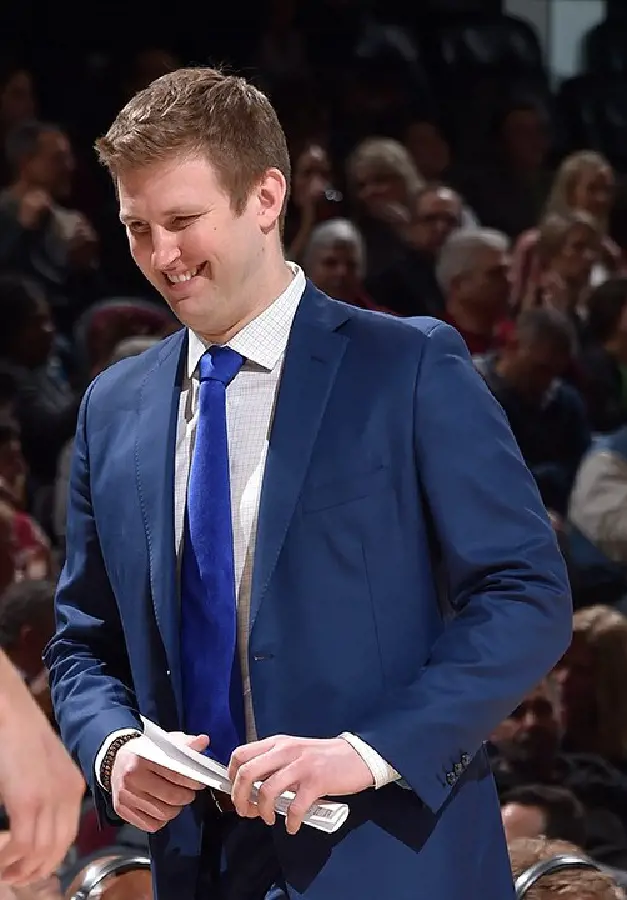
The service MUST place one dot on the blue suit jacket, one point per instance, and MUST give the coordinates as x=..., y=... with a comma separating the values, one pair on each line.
x=374, y=414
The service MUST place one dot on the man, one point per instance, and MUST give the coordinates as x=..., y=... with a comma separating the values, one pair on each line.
x=337, y=420
x=40, y=787
x=527, y=752
x=39, y=236
x=473, y=273
x=335, y=261
x=546, y=415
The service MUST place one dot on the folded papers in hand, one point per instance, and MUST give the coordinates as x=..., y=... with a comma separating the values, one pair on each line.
x=165, y=749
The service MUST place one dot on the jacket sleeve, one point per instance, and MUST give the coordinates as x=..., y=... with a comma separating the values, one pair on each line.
x=89, y=668
x=505, y=577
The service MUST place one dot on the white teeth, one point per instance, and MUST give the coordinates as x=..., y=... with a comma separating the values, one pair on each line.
x=184, y=276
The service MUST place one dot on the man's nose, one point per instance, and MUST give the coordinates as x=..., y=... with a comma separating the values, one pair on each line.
x=165, y=249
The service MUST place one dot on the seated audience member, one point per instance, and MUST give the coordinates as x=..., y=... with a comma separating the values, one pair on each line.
x=335, y=261
x=313, y=199
x=538, y=810
x=18, y=104
x=604, y=358
x=508, y=187
x=570, y=882
x=32, y=547
x=39, y=237
x=568, y=246
x=597, y=519
x=410, y=280
x=527, y=751
x=584, y=183
x=45, y=408
x=473, y=274
x=382, y=181
x=591, y=676
x=26, y=626
x=547, y=416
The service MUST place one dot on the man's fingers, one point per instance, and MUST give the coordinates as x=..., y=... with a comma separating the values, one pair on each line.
x=146, y=804
x=43, y=854
x=305, y=798
x=166, y=791
x=246, y=752
x=257, y=769
x=140, y=820
x=272, y=788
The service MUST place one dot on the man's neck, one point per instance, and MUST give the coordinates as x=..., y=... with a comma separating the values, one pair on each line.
x=265, y=289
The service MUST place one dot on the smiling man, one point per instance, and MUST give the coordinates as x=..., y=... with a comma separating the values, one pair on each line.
x=257, y=510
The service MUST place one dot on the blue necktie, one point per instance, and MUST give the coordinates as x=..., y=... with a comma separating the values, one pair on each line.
x=212, y=689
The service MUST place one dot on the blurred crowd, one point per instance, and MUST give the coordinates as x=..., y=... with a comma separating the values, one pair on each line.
x=484, y=214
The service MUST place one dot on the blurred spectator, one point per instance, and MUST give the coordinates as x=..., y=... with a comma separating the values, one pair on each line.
x=17, y=105
x=546, y=415
x=314, y=198
x=473, y=274
x=33, y=556
x=570, y=883
x=543, y=810
x=38, y=236
x=45, y=407
x=508, y=189
x=597, y=524
x=335, y=261
x=281, y=54
x=591, y=677
x=409, y=285
x=26, y=626
x=604, y=360
x=567, y=249
x=584, y=183
x=383, y=182
x=428, y=147
x=528, y=752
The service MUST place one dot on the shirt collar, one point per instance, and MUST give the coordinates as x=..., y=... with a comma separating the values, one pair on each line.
x=262, y=341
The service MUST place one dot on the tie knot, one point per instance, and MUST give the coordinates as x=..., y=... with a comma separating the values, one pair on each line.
x=220, y=363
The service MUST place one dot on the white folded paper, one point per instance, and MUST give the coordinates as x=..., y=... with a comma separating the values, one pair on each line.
x=160, y=747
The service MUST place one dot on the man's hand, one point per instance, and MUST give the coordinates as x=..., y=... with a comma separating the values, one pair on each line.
x=33, y=206
x=148, y=795
x=40, y=787
x=312, y=768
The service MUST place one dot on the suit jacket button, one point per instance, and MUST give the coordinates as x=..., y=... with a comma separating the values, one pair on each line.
x=458, y=768
x=465, y=759
x=450, y=778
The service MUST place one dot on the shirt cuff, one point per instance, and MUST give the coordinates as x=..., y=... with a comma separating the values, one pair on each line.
x=382, y=771
x=122, y=732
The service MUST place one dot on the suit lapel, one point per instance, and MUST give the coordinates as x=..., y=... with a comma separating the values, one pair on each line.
x=154, y=459
x=312, y=358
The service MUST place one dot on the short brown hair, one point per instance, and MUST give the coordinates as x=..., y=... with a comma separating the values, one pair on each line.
x=575, y=884
x=206, y=112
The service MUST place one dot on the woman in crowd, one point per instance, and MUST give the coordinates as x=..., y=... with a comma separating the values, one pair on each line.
x=584, y=183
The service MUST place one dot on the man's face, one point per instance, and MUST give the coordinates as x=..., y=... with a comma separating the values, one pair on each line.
x=52, y=165
x=335, y=270
x=438, y=213
x=535, y=366
x=202, y=257
x=486, y=287
x=534, y=730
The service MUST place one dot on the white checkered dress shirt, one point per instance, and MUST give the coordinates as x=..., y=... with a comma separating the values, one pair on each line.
x=250, y=400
